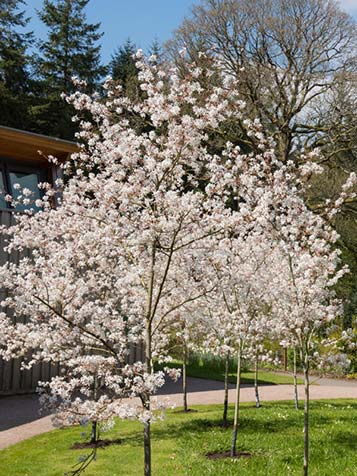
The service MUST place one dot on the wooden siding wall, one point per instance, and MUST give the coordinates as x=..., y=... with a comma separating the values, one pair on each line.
x=12, y=378
x=136, y=353
x=18, y=146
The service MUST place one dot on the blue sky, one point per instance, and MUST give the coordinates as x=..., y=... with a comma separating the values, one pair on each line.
x=141, y=20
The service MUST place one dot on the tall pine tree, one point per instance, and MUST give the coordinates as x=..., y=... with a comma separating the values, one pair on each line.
x=155, y=49
x=122, y=68
x=14, y=71
x=71, y=49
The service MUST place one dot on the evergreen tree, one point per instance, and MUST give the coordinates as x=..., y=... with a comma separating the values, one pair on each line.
x=122, y=68
x=71, y=49
x=14, y=72
x=155, y=49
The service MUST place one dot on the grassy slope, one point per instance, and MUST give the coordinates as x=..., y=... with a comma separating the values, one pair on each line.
x=273, y=434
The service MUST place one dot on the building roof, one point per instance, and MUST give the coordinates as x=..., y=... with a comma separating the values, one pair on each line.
x=25, y=146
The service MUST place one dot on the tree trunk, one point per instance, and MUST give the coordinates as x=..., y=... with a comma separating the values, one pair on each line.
x=147, y=445
x=284, y=143
x=256, y=386
x=184, y=378
x=285, y=358
x=149, y=366
x=146, y=404
x=305, y=361
x=225, y=403
x=296, y=395
x=94, y=432
x=236, y=408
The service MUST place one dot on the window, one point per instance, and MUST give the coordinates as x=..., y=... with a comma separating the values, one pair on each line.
x=26, y=177
x=25, y=180
x=3, y=203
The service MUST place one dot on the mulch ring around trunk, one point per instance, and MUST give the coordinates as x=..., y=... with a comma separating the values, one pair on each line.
x=227, y=454
x=97, y=444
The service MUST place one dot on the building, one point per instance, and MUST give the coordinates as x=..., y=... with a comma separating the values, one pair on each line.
x=21, y=162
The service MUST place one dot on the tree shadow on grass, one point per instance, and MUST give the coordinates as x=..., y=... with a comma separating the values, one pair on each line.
x=345, y=439
x=198, y=425
x=266, y=421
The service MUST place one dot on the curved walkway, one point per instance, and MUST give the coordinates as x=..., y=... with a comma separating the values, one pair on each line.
x=19, y=415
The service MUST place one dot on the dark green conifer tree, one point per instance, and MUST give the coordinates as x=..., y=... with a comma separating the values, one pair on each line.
x=155, y=49
x=14, y=71
x=122, y=68
x=70, y=49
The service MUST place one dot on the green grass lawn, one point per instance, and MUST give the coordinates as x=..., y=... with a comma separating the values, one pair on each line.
x=273, y=434
x=215, y=370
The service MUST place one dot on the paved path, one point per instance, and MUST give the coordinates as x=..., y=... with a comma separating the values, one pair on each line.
x=19, y=417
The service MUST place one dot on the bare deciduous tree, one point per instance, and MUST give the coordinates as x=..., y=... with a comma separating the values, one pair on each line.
x=285, y=54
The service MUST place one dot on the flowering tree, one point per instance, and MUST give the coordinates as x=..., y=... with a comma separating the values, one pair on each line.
x=238, y=319
x=301, y=256
x=217, y=339
x=258, y=351
x=113, y=265
x=302, y=292
x=189, y=331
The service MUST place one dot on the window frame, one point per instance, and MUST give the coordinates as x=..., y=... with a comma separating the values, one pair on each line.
x=21, y=166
